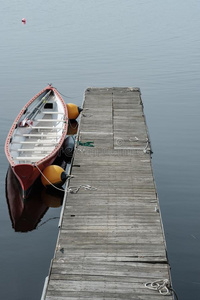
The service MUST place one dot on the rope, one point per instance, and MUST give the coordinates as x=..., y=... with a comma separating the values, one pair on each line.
x=66, y=96
x=88, y=144
x=50, y=181
x=47, y=221
x=75, y=190
x=87, y=115
x=162, y=286
x=71, y=189
x=147, y=148
x=175, y=294
x=70, y=123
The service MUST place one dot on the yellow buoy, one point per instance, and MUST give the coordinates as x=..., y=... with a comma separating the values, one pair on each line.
x=53, y=175
x=73, y=111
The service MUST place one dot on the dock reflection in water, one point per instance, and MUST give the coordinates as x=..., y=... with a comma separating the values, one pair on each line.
x=26, y=214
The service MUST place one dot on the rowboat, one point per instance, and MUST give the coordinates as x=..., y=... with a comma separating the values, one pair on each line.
x=36, y=136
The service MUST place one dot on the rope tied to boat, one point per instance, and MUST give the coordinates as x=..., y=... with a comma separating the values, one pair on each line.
x=53, y=185
x=71, y=189
x=70, y=123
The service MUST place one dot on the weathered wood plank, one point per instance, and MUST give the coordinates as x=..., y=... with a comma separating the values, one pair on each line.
x=101, y=296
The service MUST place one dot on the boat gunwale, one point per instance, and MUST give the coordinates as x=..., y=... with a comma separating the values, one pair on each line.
x=13, y=127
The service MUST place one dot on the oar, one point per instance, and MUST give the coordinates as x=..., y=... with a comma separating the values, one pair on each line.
x=31, y=115
x=39, y=106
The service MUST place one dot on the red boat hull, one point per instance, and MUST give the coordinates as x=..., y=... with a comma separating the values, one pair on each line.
x=28, y=173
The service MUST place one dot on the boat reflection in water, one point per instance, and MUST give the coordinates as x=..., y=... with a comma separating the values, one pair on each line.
x=26, y=214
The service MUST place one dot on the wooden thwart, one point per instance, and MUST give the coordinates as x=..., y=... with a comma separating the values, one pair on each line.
x=111, y=241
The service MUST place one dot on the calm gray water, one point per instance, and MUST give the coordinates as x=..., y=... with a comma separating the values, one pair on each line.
x=75, y=44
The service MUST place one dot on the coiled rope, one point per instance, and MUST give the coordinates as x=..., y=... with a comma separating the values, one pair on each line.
x=162, y=286
x=75, y=190
x=147, y=148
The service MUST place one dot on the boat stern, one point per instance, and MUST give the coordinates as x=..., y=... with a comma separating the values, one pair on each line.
x=26, y=174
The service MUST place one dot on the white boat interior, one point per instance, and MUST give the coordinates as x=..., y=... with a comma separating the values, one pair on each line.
x=39, y=130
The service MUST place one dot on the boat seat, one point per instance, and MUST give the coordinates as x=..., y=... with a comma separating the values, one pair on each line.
x=48, y=127
x=38, y=142
x=42, y=135
x=52, y=113
x=36, y=149
x=44, y=142
x=27, y=158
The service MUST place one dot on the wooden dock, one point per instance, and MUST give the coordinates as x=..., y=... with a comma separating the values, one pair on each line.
x=111, y=241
